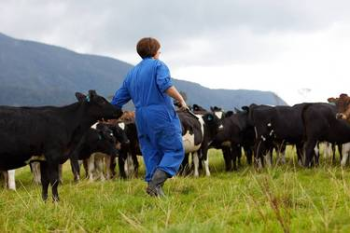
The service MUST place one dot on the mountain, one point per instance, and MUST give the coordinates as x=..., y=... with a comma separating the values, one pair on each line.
x=35, y=74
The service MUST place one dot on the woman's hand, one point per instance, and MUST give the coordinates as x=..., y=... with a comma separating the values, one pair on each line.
x=183, y=106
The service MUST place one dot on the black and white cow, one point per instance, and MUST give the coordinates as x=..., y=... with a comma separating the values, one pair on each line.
x=99, y=138
x=51, y=131
x=321, y=125
x=197, y=133
x=127, y=162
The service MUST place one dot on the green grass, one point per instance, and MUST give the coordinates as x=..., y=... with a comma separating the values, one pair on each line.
x=283, y=198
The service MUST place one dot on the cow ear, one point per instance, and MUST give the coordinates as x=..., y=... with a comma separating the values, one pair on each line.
x=80, y=97
x=92, y=94
x=228, y=113
x=245, y=108
x=209, y=117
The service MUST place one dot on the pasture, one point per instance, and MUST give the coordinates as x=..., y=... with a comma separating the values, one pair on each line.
x=284, y=198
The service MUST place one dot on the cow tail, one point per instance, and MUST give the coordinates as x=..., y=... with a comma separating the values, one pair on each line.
x=303, y=116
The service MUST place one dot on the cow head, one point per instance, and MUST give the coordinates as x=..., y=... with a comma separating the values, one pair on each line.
x=198, y=109
x=342, y=104
x=107, y=141
x=98, y=107
x=219, y=112
x=213, y=123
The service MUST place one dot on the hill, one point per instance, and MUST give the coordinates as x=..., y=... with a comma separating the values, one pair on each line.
x=35, y=74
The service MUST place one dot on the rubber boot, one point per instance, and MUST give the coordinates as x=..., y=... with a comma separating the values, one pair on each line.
x=154, y=188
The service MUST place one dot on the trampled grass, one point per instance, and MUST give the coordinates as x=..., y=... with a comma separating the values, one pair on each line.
x=284, y=198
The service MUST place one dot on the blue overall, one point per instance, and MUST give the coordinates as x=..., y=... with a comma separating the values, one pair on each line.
x=158, y=126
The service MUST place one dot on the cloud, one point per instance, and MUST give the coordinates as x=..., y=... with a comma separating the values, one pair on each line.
x=276, y=45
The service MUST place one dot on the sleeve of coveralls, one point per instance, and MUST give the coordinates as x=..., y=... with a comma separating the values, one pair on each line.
x=122, y=96
x=163, y=77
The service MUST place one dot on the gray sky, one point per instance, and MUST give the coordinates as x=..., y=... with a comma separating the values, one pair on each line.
x=299, y=49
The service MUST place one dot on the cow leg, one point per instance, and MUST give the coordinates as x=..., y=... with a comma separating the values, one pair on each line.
x=299, y=148
x=196, y=163
x=136, y=164
x=75, y=170
x=268, y=158
x=184, y=166
x=11, y=183
x=108, y=161
x=112, y=166
x=121, y=163
x=54, y=179
x=205, y=161
x=249, y=155
x=316, y=157
x=130, y=162
x=227, y=157
x=35, y=167
x=5, y=175
x=86, y=167
x=238, y=156
x=91, y=167
x=60, y=177
x=44, y=180
x=99, y=161
x=309, y=152
x=345, y=153
x=281, y=153
x=340, y=149
x=258, y=154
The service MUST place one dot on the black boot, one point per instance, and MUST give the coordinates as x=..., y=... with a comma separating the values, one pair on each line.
x=154, y=188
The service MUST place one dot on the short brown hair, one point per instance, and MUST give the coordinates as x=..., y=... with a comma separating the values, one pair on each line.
x=147, y=47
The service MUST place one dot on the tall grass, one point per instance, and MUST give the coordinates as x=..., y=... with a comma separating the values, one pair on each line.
x=284, y=198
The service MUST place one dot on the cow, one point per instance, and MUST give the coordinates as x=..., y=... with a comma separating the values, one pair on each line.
x=321, y=124
x=237, y=133
x=274, y=127
x=127, y=161
x=49, y=131
x=99, y=138
x=197, y=133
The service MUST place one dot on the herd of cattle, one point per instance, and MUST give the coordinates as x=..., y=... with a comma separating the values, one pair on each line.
x=101, y=136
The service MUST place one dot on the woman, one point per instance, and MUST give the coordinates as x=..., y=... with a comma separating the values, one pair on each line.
x=149, y=86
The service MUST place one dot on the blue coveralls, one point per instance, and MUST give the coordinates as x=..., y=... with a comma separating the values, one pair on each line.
x=158, y=126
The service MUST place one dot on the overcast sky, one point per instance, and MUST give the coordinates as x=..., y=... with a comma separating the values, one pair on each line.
x=299, y=49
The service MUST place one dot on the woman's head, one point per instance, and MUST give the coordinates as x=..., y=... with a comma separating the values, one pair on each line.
x=148, y=47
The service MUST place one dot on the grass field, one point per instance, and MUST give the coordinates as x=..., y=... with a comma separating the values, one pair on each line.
x=279, y=199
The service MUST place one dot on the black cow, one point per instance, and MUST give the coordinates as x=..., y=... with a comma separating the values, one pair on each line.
x=51, y=131
x=237, y=133
x=321, y=125
x=274, y=127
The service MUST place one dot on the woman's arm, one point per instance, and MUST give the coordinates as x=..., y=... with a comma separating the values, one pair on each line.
x=173, y=93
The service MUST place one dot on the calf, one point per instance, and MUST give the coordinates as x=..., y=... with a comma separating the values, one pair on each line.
x=197, y=133
x=237, y=132
x=127, y=161
x=99, y=138
x=50, y=131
